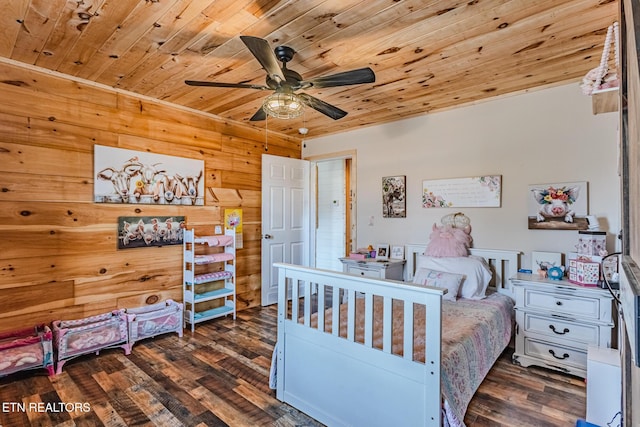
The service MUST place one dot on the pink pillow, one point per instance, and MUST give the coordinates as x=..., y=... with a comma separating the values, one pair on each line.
x=447, y=241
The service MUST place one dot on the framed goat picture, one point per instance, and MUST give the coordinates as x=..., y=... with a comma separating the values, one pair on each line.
x=394, y=204
x=558, y=206
x=146, y=231
x=137, y=177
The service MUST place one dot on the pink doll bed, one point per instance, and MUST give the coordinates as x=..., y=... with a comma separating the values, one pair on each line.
x=28, y=348
x=152, y=320
x=73, y=338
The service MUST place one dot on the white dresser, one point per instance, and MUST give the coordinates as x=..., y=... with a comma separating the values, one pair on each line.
x=556, y=321
x=390, y=269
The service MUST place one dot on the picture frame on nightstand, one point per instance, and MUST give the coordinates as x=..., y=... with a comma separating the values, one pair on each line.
x=397, y=252
x=382, y=251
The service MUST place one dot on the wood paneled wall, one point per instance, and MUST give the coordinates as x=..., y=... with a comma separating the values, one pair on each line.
x=59, y=256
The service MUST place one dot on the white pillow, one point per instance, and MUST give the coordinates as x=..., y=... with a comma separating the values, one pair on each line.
x=475, y=270
x=439, y=279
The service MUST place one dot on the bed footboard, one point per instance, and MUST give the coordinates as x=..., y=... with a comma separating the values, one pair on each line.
x=331, y=372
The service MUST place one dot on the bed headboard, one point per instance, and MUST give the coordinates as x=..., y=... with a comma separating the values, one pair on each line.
x=504, y=264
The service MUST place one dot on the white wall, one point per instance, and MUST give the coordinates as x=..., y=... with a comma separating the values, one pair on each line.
x=540, y=137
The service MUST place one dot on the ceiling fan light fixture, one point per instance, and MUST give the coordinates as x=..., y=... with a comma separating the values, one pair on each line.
x=283, y=105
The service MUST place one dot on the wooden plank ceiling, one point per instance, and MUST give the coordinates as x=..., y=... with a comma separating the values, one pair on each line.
x=428, y=55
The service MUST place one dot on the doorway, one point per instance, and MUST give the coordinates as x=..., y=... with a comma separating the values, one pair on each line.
x=333, y=196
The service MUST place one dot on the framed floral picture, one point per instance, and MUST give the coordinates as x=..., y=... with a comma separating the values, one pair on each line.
x=478, y=192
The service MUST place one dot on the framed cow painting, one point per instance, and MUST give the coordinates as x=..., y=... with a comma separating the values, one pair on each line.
x=558, y=206
x=138, y=177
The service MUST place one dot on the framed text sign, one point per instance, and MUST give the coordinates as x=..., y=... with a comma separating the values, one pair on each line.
x=473, y=192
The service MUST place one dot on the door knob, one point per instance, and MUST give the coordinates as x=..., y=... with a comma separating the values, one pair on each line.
x=267, y=236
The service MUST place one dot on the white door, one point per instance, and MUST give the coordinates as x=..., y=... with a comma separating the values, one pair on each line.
x=285, y=218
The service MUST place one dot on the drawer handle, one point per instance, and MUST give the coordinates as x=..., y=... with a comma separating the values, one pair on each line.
x=564, y=356
x=558, y=302
x=564, y=331
x=362, y=273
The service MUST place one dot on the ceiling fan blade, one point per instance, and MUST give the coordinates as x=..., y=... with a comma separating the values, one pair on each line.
x=327, y=109
x=259, y=115
x=353, y=77
x=231, y=85
x=262, y=51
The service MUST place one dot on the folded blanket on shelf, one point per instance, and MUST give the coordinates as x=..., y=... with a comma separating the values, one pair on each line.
x=222, y=240
x=206, y=259
x=215, y=275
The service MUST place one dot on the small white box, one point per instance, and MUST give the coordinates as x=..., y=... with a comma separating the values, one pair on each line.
x=604, y=385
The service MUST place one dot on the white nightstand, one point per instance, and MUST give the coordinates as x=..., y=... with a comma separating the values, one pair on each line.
x=392, y=269
x=556, y=321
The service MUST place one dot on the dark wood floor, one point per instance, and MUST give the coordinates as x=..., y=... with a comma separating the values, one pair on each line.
x=218, y=376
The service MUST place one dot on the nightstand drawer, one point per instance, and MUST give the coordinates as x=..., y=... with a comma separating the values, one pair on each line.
x=568, y=305
x=558, y=329
x=366, y=272
x=392, y=269
x=555, y=353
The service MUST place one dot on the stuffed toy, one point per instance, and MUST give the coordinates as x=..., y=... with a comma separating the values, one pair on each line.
x=448, y=241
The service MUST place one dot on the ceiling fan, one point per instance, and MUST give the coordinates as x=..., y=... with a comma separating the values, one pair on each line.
x=286, y=82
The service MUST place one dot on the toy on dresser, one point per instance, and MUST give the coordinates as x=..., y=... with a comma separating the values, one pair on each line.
x=73, y=338
x=28, y=348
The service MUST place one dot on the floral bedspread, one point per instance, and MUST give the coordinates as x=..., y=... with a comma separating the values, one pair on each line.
x=474, y=334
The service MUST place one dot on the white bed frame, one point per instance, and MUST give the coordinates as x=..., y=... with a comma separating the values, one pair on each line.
x=341, y=382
